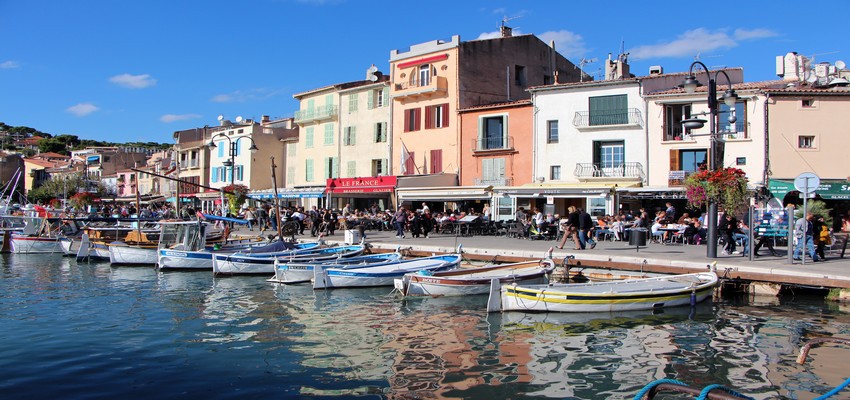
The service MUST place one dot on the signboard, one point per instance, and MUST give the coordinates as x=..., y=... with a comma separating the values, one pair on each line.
x=807, y=182
x=377, y=184
x=677, y=175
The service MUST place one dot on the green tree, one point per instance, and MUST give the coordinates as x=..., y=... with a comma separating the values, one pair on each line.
x=53, y=145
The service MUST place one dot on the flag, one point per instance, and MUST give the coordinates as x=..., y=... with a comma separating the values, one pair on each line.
x=405, y=156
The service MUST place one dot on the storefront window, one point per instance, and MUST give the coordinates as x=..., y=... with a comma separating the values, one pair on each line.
x=597, y=206
x=505, y=206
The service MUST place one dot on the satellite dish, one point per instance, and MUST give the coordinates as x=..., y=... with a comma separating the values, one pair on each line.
x=372, y=69
x=812, y=78
x=239, y=119
x=840, y=64
x=373, y=77
x=220, y=117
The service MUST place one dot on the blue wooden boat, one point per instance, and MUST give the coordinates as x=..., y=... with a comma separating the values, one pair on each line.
x=246, y=264
x=382, y=275
x=297, y=272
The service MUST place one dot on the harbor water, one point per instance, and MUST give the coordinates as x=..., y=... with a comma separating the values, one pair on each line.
x=92, y=331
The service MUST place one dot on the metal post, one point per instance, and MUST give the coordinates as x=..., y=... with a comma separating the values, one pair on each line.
x=803, y=242
x=711, y=250
x=789, y=212
x=751, y=235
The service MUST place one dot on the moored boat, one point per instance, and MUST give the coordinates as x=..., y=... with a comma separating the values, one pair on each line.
x=472, y=281
x=245, y=264
x=299, y=272
x=182, y=258
x=382, y=275
x=625, y=295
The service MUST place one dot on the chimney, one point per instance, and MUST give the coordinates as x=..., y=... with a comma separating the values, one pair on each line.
x=264, y=119
x=506, y=31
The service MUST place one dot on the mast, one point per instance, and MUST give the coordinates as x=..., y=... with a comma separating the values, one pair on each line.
x=276, y=202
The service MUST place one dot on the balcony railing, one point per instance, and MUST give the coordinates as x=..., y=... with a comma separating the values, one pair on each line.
x=493, y=143
x=626, y=116
x=491, y=181
x=629, y=170
x=431, y=87
x=316, y=114
x=677, y=132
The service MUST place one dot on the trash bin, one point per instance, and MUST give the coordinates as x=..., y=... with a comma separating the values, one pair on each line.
x=637, y=237
x=353, y=236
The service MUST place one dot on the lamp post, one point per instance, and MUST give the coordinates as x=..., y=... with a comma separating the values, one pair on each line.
x=234, y=145
x=715, y=159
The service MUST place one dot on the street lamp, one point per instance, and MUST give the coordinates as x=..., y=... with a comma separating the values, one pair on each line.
x=231, y=163
x=715, y=159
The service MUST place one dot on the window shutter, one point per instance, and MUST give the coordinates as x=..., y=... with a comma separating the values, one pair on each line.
x=308, y=140
x=386, y=92
x=352, y=169
x=376, y=132
x=487, y=168
x=329, y=100
x=428, y=123
x=407, y=115
x=410, y=165
x=597, y=152
x=384, y=164
x=238, y=148
x=352, y=139
x=436, y=161
x=214, y=175
x=308, y=170
x=499, y=166
x=240, y=171
x=674, y=160
x=326, y=171
x=417, y=113
x=445, y=115
x=370, y=99
x=220, y=149
x=335, y=167
x=384, y=131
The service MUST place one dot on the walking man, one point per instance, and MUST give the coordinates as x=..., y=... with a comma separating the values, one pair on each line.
x=585, y=225
x=804, y=232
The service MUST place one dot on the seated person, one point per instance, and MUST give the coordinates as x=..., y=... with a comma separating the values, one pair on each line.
x=618, y=227
x=602, y=227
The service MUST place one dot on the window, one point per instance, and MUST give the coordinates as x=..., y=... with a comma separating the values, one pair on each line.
x=351, y=168
x=308, y=170
x=551, y=131
x=331, y=166
x=290, y=175
x=608, y=156
x=411, y=119
x=690, y=160
x=492, y=132
x=673, y=116
x=519, y=75
x=424, y=75
x=380, y=132
x=290, y=150
x=221, y=149
x=808, y=103
x=739, y=128
x=308, y=138
x=555, y=173
x=352, y=102
x=436, y=161
x=379, y=167
x=437, y=116
x=806, y=142
x=741, y=160
x=329, y=134
x=493, y=171
x=596, y=206
x=379, y=98
x=349, y=138
x=609, y=110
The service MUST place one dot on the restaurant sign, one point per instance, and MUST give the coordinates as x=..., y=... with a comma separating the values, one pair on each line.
x=375, y=184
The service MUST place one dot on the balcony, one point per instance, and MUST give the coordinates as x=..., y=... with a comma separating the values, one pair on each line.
x=677, y=132
x=493, y=144
x=598, y=172
x=316, y=114
x=627, y=117
x=493, y=181
x=435, y=86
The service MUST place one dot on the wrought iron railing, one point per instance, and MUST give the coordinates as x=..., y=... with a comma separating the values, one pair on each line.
x=316, y=113
x=500, y=181
x=626, y=116
x=599, y=170
x=493, y=143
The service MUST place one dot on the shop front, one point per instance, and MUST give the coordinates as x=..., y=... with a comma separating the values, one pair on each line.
x=292, y=197
x=597, y=199
x=443, y=199
x=362, y=193
x=834, y=192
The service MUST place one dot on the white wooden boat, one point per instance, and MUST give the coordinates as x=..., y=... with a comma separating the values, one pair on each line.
x=247, y=264
x=299, y=272
x=132, y=254
x=471, y=281
x=178, y=258
x=25, y=244
x=625, y=295
x=383, y=275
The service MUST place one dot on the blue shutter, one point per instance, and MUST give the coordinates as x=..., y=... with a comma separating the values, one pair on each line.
x=214, y=175
x=220, y=149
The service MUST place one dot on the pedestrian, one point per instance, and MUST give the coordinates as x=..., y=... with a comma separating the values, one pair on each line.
x=570, y=227
x=804, y=234
x=585, y=225
x=251, y=218
x=728, y=228
x=400, y=219
x=822, y=236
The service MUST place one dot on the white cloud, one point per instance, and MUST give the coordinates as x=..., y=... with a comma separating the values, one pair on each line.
x=9, y=65
x=697, y=41
x=687, y=44
x=133, y=81
x=750, y=34
x=242, y=96
x=178, y=117
x=569, y=44
x=82, y=109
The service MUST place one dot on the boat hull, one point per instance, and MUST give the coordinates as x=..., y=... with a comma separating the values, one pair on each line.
x=474, y=281
x=627, y=295
x=326, y=278
x=35, y=245
x=132, y=255
x=184, y=260
x=298, y=272
x=236, y=264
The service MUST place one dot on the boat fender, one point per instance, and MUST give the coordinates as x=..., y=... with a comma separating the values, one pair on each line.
x=693, y=298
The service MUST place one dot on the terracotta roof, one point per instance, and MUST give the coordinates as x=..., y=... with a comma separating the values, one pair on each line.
x=41, y=163
x=762, y=85
x=340, y=86
x=51, y=154
x=505, y=104
x=806, y=88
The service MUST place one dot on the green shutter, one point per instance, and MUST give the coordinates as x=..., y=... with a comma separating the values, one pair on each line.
x=370, y=99
x=308, y=137
x=386, y=91
x=311, y=104
x=608, y=110
x=385, y=163
x=352, y=169
x=308, y=170
x=352, y=102
x=335, y=167
x=326, y=173
x=329, y=134
x=290, y=176
x=352, y=138
x=329, y=100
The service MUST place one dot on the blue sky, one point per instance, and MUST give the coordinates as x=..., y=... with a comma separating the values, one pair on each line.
x=138, y=71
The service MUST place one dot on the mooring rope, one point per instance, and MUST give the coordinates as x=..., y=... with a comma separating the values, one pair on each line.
x=708, y=389
x=835, y=391
x=640, y=395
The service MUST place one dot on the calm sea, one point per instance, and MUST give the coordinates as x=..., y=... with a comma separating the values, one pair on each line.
x=92, y=331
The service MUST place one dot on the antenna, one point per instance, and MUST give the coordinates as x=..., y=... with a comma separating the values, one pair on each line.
x=505, y=19
x=581, y=64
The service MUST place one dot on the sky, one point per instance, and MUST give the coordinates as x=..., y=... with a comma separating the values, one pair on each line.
x=126, y=71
